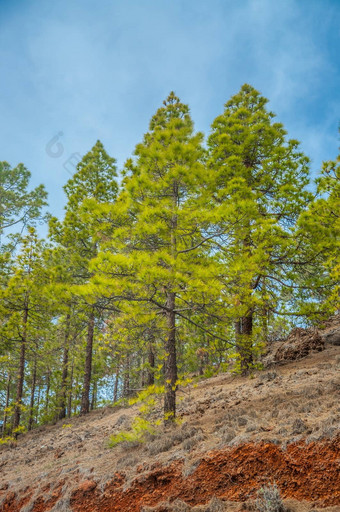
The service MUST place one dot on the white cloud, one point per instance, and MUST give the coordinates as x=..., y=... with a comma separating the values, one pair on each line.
x=100, y=69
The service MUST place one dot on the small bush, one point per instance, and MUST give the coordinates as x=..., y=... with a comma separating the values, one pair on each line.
x=140, y=427
x=7, y=440
x=164, y=442
x=189, y=444
x=227, y=435
x=159, y=445
x=216, y=505
x=180, y=506
x=127, y=461
x=242, y=421
x=269, y=499
x=299, y=427
x=186, y=432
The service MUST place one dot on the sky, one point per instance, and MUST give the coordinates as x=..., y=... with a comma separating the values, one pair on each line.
x=73, y=72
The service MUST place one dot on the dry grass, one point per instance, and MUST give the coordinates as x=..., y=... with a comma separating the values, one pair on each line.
x=298, y=397
x=63, y=505
x=214, y=505
x=269, y=499
x=164, y=441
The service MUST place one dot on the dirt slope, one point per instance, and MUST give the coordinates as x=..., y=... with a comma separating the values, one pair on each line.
x=237, y=435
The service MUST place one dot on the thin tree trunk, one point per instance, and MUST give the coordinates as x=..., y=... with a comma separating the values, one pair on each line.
x=48, y=386
x=38, y=403
x=85, y=400
x=150, y=379
x=126, y=384
x=246, y=323
x=115, y=390
x=75, y=406
x=246, y=352
x=94, y=396
x=8, y=390
x=203, y=360
x=238, y=328
x=62, y=403
x=264, y=324
x=170, y=364
x=21, y=373
x=142, y=373
x=69, y=402
x=238, y=336
x=34, y=380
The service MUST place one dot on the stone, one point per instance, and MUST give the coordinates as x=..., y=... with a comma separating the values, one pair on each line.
x=332, y=337
x=299, y=427
x=87, y=486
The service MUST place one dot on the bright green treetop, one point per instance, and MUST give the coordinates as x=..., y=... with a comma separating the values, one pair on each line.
x=17, y=203
x=258, y=182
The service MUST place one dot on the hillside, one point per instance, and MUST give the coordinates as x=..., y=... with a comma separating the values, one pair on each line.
x=237, y=435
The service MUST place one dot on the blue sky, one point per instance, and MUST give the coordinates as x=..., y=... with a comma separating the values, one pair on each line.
x=89, y=70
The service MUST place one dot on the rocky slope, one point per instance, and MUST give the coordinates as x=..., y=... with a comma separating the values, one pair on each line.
x=237, y=435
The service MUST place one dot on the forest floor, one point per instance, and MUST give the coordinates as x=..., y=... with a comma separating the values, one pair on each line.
x=238, y=434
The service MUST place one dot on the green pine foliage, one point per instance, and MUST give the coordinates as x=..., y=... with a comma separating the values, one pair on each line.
x=258, y=184
x=201, y=255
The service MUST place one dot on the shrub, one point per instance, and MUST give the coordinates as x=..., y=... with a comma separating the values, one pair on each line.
x=216, y=505
x=140, y=427
x=269, y=499
x=159, y=445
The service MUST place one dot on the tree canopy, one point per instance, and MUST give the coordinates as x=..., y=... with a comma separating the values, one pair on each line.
x=188, y=263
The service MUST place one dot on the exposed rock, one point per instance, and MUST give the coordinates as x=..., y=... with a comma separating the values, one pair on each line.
x=299, y=427
x=299, y=344
x=332, y=337
x=87, y=486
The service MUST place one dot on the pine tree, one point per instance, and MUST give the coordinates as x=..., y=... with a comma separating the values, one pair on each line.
x=94, y=179
x=18, y=205
x=320, y=232
x=26, y=308
x=259, y=181
x=155, y=255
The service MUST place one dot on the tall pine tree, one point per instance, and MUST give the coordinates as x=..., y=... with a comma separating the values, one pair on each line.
x=258, y=183
x=95, y=179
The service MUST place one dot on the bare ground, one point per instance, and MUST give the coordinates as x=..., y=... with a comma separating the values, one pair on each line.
x=237, y=435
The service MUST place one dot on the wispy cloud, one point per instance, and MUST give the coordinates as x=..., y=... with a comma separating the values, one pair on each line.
x=100, y=69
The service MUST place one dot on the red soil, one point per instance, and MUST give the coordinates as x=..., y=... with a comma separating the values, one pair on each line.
x=308, y=472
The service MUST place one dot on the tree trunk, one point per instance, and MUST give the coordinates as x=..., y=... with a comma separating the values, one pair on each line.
x=62, y=402
x=94, y=396
x=115, y=390
x=85, y=400
x=170, y=364
x=21, y=373
x=238, y=339
x=126, y=384
x=150, y=379
x=243, y=334
x=48, y=386
x=247, y=324
x=38, y=403
x=63, y=392
x=203, y=360
x=69, y=402
x=238, y=328
x=8, y=390
x=34, y=380
x=142, y=372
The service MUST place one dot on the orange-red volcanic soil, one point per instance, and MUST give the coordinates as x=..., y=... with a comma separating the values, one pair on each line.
x=303, y=471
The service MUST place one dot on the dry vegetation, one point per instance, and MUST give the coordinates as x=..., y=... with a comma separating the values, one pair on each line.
x=296, y=404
